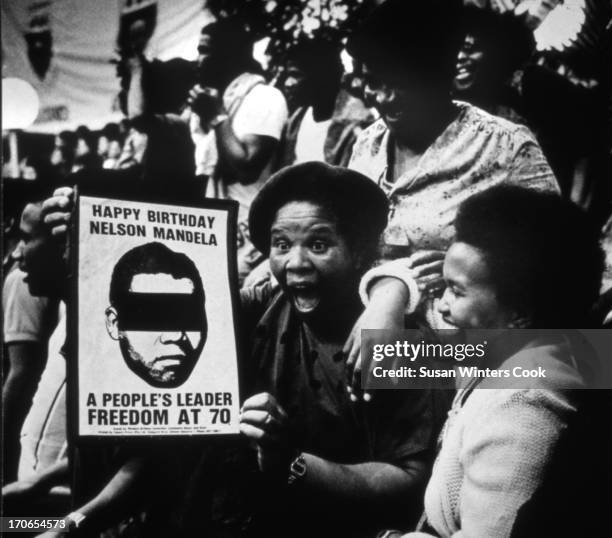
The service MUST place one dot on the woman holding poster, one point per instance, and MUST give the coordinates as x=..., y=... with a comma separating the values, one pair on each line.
x=305, y=448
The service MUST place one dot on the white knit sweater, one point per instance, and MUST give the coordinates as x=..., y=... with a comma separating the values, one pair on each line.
x=496, y=446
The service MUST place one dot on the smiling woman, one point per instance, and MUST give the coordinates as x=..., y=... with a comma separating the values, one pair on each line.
x=427, y=152
x=507, y=455
x=495, y=46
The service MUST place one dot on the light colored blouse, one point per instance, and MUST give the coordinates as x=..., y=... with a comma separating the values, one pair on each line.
x=475, y=152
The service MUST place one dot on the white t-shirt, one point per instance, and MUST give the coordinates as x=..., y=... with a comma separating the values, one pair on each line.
x=26, y=318
x=263, y=112
x=43, y=436
x=311, y=139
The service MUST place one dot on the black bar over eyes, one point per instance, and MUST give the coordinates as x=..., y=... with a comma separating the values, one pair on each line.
x=160, y=311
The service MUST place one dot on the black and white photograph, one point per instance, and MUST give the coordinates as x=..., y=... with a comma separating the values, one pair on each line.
x=306, y=268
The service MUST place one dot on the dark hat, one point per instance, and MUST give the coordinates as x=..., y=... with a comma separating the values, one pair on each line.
x=360, y=206
x=400, y=36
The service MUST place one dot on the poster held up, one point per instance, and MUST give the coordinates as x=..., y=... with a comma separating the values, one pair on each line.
x=154, y=319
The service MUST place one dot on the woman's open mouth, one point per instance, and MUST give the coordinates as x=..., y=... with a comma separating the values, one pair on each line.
x=306, y=298
x=464, y=76
x=463, y=73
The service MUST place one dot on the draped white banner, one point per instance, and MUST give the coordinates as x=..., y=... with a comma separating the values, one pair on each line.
x=64, y=47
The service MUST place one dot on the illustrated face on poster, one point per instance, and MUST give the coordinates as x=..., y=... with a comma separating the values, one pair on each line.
x=157, y=314
x=156, y=343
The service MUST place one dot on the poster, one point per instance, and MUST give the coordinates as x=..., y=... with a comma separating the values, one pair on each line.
x=156, y=349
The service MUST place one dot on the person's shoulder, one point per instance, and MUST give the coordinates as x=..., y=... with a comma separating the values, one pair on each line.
x=16, y=294
x=255, y=301
x=263, y=105
x=370, y=139
x=267, y=89
x=261, y=293
x=501, y=128
x=12, y=281
x=487, y=405
x=373, y=131
x=549, y=355
x=554, y=362
x=27, y=318
x=351, y=109
x=266, y=94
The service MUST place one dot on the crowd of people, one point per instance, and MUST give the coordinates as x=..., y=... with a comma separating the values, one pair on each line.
x=420, y=190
